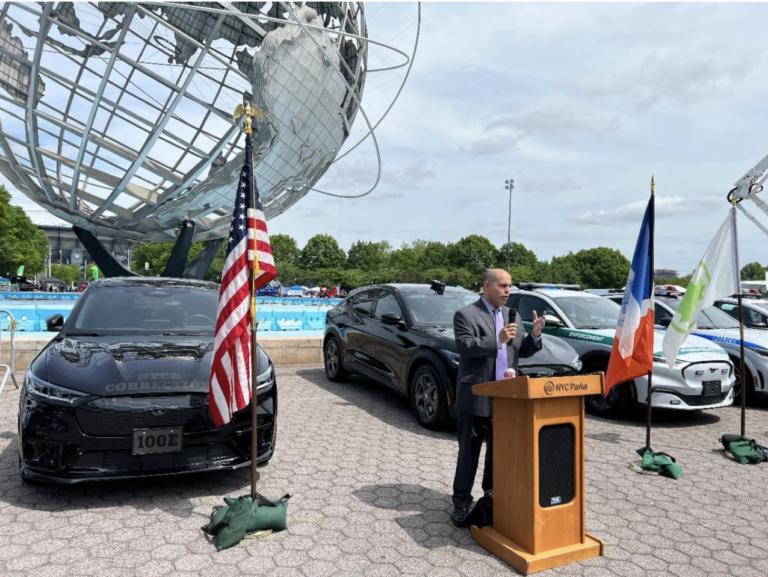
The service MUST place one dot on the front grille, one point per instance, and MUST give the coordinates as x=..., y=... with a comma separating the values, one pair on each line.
x=119, y=416
x=197, y=457
x=701, y=401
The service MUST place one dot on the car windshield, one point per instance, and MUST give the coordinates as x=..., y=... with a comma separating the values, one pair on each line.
x=431, y=310
x=710, y=317
x=145, y=310
x=590, y=312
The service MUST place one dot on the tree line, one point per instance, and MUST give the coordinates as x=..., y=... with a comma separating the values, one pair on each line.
x=321, y=261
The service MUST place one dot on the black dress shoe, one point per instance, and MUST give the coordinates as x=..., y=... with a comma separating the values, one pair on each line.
x=459, y=516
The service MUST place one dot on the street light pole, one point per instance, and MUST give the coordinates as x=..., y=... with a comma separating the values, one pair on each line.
x=509, y=185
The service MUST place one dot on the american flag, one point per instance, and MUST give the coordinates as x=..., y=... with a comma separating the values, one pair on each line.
x=230, y=384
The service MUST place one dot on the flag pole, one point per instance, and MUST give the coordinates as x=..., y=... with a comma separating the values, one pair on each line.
x=249, y=113
x=742, y=368
x=652, y=280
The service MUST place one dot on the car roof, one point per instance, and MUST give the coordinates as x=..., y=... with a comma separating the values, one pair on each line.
x=153, y=281
x=558, y=293
x=411, y=287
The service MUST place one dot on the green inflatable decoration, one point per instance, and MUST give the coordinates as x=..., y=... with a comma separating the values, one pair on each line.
x=241, y=516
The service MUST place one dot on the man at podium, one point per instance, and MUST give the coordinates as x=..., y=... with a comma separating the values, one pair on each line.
x=489, y=342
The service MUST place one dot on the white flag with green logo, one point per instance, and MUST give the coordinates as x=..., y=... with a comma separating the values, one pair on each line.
x=717, y=277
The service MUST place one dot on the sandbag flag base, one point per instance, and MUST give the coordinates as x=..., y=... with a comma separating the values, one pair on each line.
x=248, y=265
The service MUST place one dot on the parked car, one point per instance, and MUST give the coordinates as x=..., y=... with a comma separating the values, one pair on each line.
x=122, y=390
x=401, y=335
x=755, y=311
x=701, y=379
x=721, y=328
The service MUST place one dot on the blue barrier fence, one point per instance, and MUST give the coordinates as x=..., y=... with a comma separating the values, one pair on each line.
x=40, y=296
x=308, y=317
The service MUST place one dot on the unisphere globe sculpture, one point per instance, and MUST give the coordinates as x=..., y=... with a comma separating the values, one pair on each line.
x=117, y=117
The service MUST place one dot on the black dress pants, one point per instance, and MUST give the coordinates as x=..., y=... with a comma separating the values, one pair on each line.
x=472, y=431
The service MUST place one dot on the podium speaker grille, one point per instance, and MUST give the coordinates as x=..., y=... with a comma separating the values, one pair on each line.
x=557, y=444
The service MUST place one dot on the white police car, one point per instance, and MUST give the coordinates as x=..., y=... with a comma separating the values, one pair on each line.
x=702, y=378
x=718, y=326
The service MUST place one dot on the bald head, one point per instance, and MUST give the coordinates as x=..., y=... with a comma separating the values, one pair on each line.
x=496, y=286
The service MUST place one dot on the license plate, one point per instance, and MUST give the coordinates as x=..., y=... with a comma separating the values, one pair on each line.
x=147, y=441
x=711, y=388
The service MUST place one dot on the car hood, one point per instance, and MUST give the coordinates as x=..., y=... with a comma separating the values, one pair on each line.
x=753, y=338
x=111, y=366
x=554, y=351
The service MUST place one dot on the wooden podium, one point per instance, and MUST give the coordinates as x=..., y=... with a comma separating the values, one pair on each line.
x=538, y=472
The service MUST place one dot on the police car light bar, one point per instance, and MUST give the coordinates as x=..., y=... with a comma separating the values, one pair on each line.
x=539, y=285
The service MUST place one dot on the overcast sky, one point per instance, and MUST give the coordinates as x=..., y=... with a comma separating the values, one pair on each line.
x=580, y=104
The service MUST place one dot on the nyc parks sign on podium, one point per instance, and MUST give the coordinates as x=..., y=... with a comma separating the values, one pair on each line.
x=539, y=508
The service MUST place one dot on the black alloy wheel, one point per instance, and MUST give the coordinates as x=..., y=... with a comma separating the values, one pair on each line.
x=737, y=385
x=334, y=370
x=615, y=405
x=428, y=398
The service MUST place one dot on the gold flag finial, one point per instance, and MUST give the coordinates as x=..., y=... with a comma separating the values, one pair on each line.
x=249, y=111
x=653, y=186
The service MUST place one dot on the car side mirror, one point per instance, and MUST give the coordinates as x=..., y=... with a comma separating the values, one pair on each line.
x=758, y=326
x=54, y=323
x=392, y=319
x=665, y=322
x=553, y=322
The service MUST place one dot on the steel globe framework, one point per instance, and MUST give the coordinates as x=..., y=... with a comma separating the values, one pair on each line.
x=117, y=117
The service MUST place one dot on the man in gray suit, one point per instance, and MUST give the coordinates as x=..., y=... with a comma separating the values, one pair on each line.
x=489, y=342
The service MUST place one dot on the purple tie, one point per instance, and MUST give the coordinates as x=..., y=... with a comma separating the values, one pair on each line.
x=501, y=357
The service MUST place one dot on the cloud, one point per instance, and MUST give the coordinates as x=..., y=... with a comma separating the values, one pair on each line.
x=491, y=145
x=666, y=207
x=559, y=118
x=673, y=76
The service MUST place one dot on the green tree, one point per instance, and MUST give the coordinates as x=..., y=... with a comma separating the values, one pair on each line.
x=284, y=248
x=21, y=242
x=157, y=255
x=434, y=254
x=66, y=273
x=753, y=271
x=602, y=267
x=367, y=255
x=408, y=256
x=564, y=270
x=322, y=251
x=519, y=255
x=475, y=253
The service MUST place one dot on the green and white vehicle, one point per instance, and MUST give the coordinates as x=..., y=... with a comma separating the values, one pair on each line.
x=702, y=378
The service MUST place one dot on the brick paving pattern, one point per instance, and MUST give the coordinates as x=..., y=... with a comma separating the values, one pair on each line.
x=372, y=498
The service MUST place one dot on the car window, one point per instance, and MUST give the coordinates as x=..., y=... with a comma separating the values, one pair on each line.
x=146, y=309
x=387, y=303
x=513, y=300
x=528, y=304
x=431, y=310
x=751, y=316
x=661, y=313
x=711, y=317
x=590, y=312
x=362, y=304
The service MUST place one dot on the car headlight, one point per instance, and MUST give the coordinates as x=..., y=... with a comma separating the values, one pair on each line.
x=576, y=363
x=451, y=356
x=663, y=361
x=266, y=379
x=760, y=351
x=52, y=393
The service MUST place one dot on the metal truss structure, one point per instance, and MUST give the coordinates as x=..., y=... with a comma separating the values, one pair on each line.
x=748, y=187
x=117, y=116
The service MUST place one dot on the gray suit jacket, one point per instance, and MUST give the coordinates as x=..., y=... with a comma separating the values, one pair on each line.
x=476, y=339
